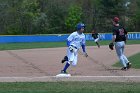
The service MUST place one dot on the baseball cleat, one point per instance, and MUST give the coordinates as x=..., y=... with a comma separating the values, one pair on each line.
x=64, y=59
x=63, y=72
x=124, y=68
x=128, y=65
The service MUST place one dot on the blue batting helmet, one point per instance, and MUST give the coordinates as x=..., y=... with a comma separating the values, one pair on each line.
x=80, y=25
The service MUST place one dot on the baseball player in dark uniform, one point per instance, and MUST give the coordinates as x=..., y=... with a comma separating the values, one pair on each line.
x=95, y=35
x=119, y=39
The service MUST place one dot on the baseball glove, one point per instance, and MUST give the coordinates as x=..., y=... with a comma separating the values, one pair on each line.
x=71, y=48
x=111, y=46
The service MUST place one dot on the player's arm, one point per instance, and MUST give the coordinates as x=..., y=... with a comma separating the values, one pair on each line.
x=98, y=35
x=111, y=45
x=68, y=43
x=114, y=36
x=92, y=34
x=84, y=50
x=83, y=44
x=125, y=32
x=69, y=39
x=84, y=47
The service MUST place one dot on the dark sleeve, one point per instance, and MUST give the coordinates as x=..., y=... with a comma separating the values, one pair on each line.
x=97, y=35
x=114, y=32
x=125, y=31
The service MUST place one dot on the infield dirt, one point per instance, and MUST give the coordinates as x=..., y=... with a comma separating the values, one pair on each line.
x=47, y=62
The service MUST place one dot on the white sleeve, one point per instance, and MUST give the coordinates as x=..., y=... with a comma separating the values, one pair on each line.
x=70, y=38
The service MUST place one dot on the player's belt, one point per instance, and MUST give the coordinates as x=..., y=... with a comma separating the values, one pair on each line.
x=119, y=41
x=74, y=47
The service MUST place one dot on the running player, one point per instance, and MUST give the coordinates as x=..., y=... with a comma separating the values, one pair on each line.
x=95, y=35
x=74, y=42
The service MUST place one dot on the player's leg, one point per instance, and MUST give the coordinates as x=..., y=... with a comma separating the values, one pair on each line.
x=125, y=58
x=127, y=62
x=65, y=67
x=97, y=44
x=65, y=57
x=119, y=51
x=96, y=41
x=70, y=59
x=74, y=63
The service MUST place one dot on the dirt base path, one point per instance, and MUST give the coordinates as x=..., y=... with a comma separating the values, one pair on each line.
x=44, y=64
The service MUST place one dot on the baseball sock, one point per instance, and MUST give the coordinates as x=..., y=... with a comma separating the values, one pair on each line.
x=97, y=44
x=66, y=67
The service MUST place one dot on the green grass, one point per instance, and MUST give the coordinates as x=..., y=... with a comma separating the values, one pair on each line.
x=135, y=59
x=70, y=87
x=14, y=46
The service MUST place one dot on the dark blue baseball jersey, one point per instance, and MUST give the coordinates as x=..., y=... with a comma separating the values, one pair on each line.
x=120, y=33
x=95, y=35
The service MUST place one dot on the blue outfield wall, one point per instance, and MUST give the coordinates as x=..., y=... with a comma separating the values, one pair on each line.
x=33, y=38
x=57, y=38
x=108, y=36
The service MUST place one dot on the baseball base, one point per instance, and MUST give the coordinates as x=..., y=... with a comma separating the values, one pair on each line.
x=63, y=75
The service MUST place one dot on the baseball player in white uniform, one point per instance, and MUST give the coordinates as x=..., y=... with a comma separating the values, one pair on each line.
x=74, y=42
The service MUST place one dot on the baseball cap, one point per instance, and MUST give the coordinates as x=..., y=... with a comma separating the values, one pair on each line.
x=116, y=19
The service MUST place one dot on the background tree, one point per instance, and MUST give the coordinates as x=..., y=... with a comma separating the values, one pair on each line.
x=74, y=17
x=109, y=9
x=61, y=16
x=135, y=18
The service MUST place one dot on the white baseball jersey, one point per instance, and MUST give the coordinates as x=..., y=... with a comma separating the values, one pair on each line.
x=76, y=39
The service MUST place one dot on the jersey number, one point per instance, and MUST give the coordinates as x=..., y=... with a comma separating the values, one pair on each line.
x=121, y=31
